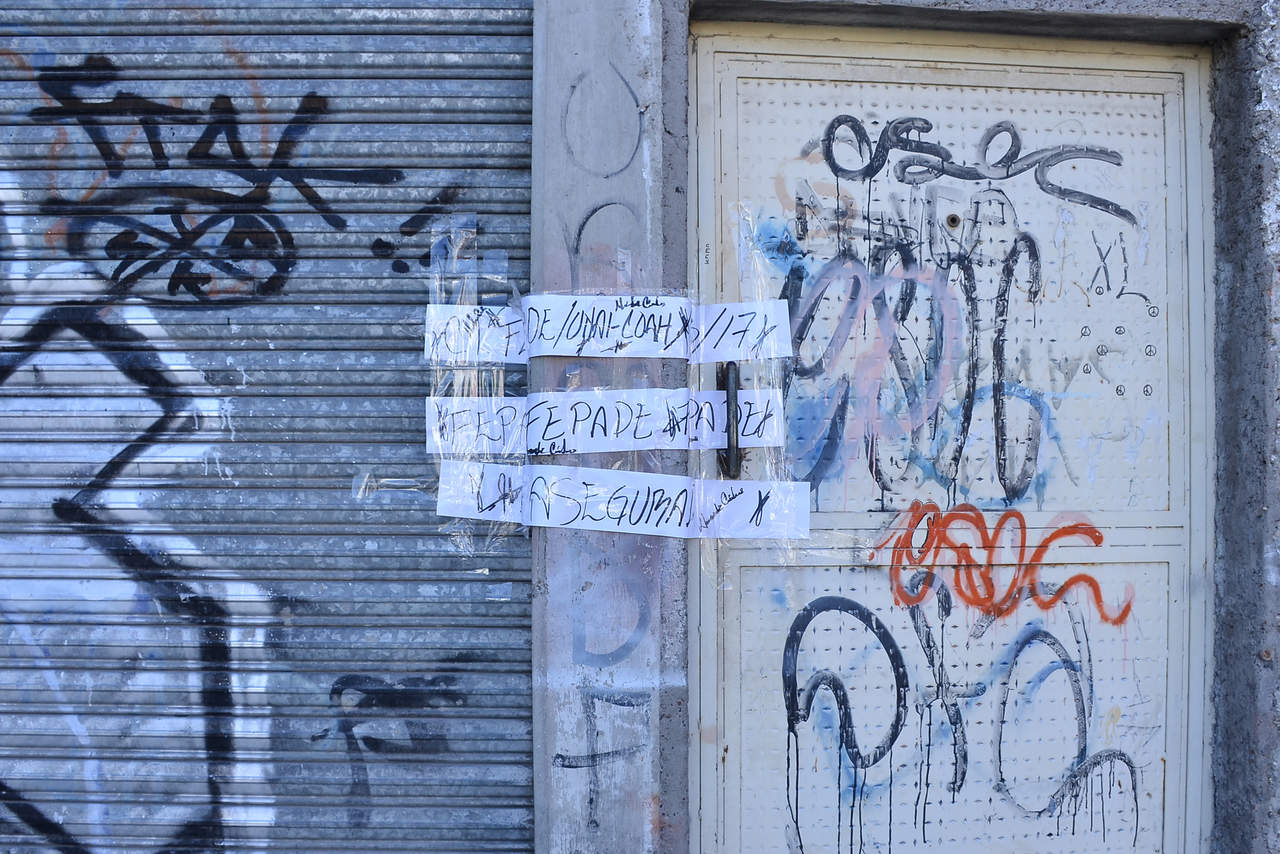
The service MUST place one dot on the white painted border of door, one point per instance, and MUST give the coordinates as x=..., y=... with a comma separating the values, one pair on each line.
x=706, y=804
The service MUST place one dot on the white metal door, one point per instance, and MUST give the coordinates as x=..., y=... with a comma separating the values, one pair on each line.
x=993, y=253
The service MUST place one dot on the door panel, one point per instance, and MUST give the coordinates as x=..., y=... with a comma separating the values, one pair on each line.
x=993, y=260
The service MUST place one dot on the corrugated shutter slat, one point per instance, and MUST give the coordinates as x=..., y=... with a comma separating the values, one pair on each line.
x=251, y=631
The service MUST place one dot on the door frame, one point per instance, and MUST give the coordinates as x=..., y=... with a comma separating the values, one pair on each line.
x=708, y=764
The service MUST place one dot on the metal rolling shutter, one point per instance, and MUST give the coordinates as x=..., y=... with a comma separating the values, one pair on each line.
x=231, y=618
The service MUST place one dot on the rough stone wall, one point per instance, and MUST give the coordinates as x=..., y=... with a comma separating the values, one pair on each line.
x=1246, y=745
x=1143, y=20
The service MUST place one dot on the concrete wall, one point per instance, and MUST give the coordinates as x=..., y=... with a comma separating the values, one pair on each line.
x=1163, y=22
x=1246, y=142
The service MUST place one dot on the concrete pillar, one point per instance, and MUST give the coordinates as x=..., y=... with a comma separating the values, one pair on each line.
x=610, y=627
x=1246, y=147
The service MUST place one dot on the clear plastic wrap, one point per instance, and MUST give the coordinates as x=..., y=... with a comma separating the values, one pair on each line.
x=611, y=356
x=759, y=470
x=472, y=415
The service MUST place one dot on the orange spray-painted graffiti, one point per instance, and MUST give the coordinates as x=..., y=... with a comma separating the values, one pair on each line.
x=951, y=539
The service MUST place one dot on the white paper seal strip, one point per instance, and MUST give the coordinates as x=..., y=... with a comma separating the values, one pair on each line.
x=587, y=422
x=489, y=491
x=639, y=327
x=752, y=510
x=474, y=334
x=656, y=327
x=646, y=327
x=623, y=501
x=476, y=426
x=740, y=331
